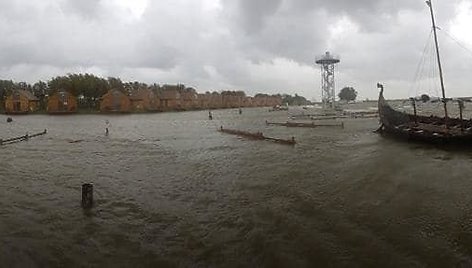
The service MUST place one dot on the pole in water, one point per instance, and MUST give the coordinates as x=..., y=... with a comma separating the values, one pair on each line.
x=240, y=111
x=210, y=116
x=107, y=126
x=87, y=195
x=461, y=107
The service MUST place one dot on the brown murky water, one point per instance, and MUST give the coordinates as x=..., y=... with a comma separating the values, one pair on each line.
x=172, y=191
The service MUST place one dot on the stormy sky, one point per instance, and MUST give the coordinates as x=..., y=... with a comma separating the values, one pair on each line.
x=253, y=45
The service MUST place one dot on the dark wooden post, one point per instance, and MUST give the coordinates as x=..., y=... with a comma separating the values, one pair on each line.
x=413, y=102
x=461, y=107
x=87, y=195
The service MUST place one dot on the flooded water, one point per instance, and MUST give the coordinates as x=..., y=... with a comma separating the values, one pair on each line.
x=171, y=191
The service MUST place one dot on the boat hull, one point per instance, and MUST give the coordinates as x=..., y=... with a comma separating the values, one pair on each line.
x=430, y=129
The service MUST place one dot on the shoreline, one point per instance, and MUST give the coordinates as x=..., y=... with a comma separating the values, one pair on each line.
x=96, y=112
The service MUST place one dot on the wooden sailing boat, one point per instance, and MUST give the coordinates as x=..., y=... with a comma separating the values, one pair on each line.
x=432, y=129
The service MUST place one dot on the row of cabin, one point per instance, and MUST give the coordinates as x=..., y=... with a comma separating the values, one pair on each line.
x=142, y=100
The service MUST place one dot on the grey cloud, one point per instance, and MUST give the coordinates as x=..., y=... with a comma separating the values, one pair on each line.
x=251, y=15
x=86, y=8
x=182, y=41
x=371, y=15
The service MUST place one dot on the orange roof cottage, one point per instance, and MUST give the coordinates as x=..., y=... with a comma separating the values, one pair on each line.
x=62, y=102
x=115, y=101
x=143, y=100
x=170, y=99
x=21, y=102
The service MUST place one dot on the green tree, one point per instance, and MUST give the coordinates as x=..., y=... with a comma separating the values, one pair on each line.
x=6, y=86
x=40, y=90
x=348, y=94
x=294, y=100
x=116, y=83
x=88, y=87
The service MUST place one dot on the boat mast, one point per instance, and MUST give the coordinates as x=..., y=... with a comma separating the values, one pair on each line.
x=429, y=3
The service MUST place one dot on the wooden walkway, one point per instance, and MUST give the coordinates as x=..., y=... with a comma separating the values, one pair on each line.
x=257, y=136
x=21, y=138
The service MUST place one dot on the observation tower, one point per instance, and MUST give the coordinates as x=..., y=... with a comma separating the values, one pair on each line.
x=328, y=92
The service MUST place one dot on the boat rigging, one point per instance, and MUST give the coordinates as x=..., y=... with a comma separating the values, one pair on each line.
x=441, y=78
x=433, y=129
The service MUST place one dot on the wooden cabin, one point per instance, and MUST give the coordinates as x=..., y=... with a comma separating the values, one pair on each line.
x=21, y=102
x=233, y=99
x=264, y=100
x=144, y=100
x=154, y=101
x=204, y=100
x=188, y=99
x=115, y=101
x=248, y=102
x=170, y=100
x=62, y=102
x=275, y=100
x=216, y=100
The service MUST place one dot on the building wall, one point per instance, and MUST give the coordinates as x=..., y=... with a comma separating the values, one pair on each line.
x=204, y=101
x=154, y=103
x=138, y=105
x=144, y=100
x=189, y=100
x=216, y=101
x=19, y=103
x=170, y=104
x=115, y=101
x=230, y=101
x=62, y=103
x=170, y=100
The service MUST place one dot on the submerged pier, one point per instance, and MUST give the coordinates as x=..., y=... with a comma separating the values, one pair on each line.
x=21, y=138
x=343, y=115
x=302, y=124
x=257, y=136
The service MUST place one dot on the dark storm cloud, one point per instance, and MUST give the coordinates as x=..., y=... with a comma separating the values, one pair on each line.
x=264, y=45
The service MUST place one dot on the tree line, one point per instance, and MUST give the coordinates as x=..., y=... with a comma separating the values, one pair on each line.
x=89, y=88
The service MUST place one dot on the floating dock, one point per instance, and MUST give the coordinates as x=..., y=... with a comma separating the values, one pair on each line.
x=21, y=138
x=300, y=124
x=257, y=136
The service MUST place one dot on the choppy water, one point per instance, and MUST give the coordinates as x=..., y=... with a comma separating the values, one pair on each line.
x=172, y=191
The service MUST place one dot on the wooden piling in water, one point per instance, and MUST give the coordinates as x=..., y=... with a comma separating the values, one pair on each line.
x=87, y=195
